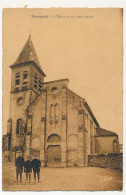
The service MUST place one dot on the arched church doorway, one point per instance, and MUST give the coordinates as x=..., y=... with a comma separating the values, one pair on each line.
x=54, y=151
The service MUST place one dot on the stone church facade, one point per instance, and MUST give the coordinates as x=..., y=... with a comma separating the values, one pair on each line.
x=50, y=120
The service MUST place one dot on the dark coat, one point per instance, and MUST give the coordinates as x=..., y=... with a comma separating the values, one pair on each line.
x=28, y=166
x=19, y=164
x=36, y=164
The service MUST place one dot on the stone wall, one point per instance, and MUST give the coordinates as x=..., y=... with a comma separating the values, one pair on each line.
x=6, y=156
x=104, y=144
x=75, y=129
x=111, y=160
x=56, y=116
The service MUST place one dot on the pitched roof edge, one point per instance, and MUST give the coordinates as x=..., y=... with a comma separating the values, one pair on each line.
x=91, y=113
x=60, y=80
x=87, y=107
x=28, y=63
x=104, y=132
x=38, y=95
x=74, y=93
x=33, y=101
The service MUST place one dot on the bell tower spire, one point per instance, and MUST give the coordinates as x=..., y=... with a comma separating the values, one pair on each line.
x=28, y=54
x=27, y=65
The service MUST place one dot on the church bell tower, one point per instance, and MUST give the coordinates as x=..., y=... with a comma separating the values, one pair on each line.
x=26, y=84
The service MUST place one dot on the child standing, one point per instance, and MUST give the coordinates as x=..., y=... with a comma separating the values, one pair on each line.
x=28, y=168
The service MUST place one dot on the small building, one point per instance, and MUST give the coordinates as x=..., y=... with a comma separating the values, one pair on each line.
x=50, y=120
x=106, y=141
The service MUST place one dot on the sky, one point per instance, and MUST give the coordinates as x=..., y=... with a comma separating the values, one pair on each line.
x=84, y=45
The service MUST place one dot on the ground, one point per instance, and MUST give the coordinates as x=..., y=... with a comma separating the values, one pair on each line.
x=72, y=178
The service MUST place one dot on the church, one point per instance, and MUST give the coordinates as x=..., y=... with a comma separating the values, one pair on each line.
x=50, y=120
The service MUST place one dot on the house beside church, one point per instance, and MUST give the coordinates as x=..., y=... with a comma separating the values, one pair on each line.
x=50, y=120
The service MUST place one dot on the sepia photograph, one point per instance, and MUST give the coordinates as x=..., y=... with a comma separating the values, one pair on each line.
x=62, y=99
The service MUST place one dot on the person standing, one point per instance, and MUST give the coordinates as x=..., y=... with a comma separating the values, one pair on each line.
x=28, y=168
x=19, y=163
x=36, y=164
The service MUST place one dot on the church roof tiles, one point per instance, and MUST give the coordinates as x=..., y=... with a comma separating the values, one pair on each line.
x=28, y=54
x=103, y=132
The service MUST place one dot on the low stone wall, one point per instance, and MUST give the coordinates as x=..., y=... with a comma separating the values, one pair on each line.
x=112, y=160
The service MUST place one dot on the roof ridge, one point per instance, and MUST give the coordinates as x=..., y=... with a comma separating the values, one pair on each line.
x=100, y=128
x=28, y=53
x=58, y=80
x=104, y=132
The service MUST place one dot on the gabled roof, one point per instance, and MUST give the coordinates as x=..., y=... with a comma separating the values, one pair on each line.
x=103, y=132
x=88, y=108
x=27, y=54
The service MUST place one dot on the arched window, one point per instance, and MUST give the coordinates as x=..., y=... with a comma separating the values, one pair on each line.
x=91, y=127
x=91, y=137
x=17, y=79
x=86, y=121
x=35, y=80
x=81, y=120
x=40, y=85
x=35, y=76
x=19, y=126
x=57, y=111
x=54, y=138
x=54, y=88
x=25, y=76
x=54, y=113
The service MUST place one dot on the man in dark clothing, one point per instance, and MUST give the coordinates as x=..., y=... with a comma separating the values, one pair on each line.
x=28, y=168
x=19, y=166
x=36, y=164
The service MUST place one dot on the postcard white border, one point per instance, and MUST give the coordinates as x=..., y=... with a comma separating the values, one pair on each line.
x=68, y=4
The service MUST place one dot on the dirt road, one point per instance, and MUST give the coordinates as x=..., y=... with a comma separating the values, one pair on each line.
x=74, y=178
